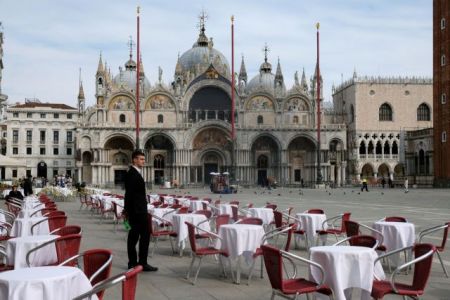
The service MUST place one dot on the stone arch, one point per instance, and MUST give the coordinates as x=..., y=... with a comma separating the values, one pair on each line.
x=86, y=167
x=399, y=171
x=367, y=170
x=160, y=146
x=423, y=112
x=384, y=170
x=207, y=102
x=160, y=101
x=385, y=112
x=260, y=102
x=297, y=103
x=268, y=146
x=302, y=155
x=122, y=101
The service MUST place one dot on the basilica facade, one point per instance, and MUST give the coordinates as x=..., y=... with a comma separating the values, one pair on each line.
x=185, y=125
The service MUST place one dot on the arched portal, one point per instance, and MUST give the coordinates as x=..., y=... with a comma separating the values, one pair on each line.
x=383, y=171
x=212, y=163
x=86, y=168
x=265, y=157
x=210, y=103
x=367, y=171
x=161, y=158
x=302, y=160
x=118, y=150
x=42, y=169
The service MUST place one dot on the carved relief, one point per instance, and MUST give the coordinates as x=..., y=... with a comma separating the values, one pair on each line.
x=296, y=104
x=159, y=102
x=210, y=137
x=121, y=103
x=260, y=103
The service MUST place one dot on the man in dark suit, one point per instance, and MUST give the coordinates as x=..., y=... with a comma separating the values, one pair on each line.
x=28, y=186
x=136, y=213
x=14, y=193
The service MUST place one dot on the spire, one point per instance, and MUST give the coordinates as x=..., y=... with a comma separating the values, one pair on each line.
x=141, y=66
x=243, y=71
x=178, y=67
x=202, y=40
x=266, y=67
x=304, y=83
x=278, y=73
x=100, y=68
x=354, y=73
x=81, y=92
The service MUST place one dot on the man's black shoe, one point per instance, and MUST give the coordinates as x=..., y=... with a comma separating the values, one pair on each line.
x=131, y=266
x=148, y=268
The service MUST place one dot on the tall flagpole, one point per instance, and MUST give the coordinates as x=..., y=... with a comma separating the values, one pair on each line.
x=137, y=81
x=232, y=79
x=233, y=133
x=319, y=172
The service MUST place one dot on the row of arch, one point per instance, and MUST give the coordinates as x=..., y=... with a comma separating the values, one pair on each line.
x=385, y=112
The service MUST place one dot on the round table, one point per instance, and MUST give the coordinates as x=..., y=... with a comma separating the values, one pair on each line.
x=310, y=223
x=181, y=229
x=17, y=249
x=265, y=214
x=43, y=283
x=22, y=226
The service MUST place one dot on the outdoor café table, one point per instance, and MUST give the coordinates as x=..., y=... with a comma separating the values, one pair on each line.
x=153, y=197
x=44, y=283
x=346, y=267
x=225, y=209
x=22, y=226
x=17, y=249
x=396, y=235
x=27, y=212
x=160, y=212
x=265, y=214
x=240, y=240
x=310, y=223
x=168, y=200
x=195, y=205
x=32, y=202
x=181, y=229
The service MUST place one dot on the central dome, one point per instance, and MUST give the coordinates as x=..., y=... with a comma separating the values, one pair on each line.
x=126, y=79
x=202, y=54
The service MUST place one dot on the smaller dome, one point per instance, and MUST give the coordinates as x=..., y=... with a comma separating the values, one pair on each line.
x=262, y=82
x=130, y=64
x=127, y=78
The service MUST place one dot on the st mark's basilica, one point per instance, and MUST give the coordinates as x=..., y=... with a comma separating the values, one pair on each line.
x=185, y=125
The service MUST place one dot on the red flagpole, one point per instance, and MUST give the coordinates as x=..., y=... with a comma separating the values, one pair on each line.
x=137, y=82
x=232, y=79
x=319, y=174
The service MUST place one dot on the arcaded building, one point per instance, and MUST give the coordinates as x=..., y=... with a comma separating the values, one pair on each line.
x=382, y=114
x=185, y=125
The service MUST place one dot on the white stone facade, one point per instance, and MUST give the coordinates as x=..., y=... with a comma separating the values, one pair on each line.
x=185, y=126
x=379, y=112
x=42, y=137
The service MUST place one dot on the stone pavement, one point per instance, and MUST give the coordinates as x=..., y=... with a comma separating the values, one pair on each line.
x=423, y=207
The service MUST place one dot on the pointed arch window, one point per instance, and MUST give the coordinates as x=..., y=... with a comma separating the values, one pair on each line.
x=160, y=119
x=362, y=148
x=394, y=148
x=122, y=118
x=352, y=113
x=158, y=162
x=385, y=112
x=386, y=148
x=423, y=113
x=260, y=120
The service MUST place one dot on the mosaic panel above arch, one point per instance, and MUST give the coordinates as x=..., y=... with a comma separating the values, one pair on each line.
x=211, y=137
x=260, y=103
x=159, y=102
x=296, y=104
x=121, y=103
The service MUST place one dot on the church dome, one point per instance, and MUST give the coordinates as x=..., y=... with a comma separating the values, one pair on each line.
x=264, y=81
x=126, y=79
x=202, y=55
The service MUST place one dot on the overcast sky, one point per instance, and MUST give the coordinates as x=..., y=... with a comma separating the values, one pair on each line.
x=46, y=42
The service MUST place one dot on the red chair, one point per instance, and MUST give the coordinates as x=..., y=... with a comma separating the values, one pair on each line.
x=83, y=200
x=42, y=211
x=97, y=265
x=54, y=213
x=117, y=216
x=273, y=234
x=423, y=258
x=360, y=240
x=273, y=260
x=236, y=216
x=441, y=247
x=251, y=221
x=234, y=202
x=395, y=219
x=206, y=213
x=183, y=210
x=66, y=230
x=129, y=283
x=332, y=229
x=5, y=231
x=156, y=234
x=272, y=206
x=66, y=247
x=198, y=252
x=353, y=228
x=315, y=211
x=53, y=223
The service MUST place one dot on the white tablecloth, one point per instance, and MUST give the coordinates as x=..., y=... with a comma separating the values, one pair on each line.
x=43, y=283
x=168, y=200
x=396, y=235
x=22, y=226
x=153, y=197
x=346, y=267
x=17, y=249
x=310, y=223
x=27, y=212
x=197, y=205
x=265, y=214
x=32, y=202
x=181, y=229
x=160, y=212
x=225, y=209
x=240, y=239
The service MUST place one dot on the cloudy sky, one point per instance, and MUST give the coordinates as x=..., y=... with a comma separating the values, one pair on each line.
x=47, y=42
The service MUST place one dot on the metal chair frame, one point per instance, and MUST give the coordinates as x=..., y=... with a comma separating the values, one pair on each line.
x=431, y=230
